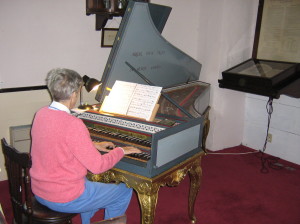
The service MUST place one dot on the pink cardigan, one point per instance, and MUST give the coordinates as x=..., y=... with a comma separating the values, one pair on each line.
x=62, y=152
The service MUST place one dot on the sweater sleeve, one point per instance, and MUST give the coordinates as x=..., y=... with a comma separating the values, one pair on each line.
x=85, y=152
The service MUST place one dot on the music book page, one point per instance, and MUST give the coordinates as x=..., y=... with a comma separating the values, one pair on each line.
x=132, y=99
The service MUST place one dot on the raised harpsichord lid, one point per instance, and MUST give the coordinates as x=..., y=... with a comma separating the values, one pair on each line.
x=139, y=43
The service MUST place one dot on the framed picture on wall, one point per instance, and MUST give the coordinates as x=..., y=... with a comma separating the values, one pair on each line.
x=108, y=36
x=277, y=34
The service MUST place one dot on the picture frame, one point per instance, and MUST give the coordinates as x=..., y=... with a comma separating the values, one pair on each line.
x=108, y=36
x=276, y=36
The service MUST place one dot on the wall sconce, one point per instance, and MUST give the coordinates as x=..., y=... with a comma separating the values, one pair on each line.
x=89, y=84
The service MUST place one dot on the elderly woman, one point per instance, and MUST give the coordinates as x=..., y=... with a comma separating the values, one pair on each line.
x=62, y=153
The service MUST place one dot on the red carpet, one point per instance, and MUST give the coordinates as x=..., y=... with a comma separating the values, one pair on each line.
x=233, y=191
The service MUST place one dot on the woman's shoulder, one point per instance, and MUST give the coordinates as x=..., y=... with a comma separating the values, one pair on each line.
x=74, y=120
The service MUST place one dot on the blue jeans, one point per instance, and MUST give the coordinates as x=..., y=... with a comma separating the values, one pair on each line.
x=114, y=198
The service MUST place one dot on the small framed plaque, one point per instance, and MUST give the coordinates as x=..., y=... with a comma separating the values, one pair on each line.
x=108, y=36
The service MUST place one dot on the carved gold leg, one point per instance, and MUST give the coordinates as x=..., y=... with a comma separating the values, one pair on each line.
x=148, y=201
x=195, y=176
x=205, y=133
x=147, y=188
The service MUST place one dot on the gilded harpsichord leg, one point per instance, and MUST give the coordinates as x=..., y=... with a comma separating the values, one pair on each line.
x=195, y=176
x=147, y=194
x=206, y=126
x=147, y=188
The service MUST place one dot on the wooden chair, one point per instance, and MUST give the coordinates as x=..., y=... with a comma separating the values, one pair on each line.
x=2, y=217
x=25, y=208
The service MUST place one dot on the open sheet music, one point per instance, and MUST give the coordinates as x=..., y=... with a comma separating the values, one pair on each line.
x=132, y=99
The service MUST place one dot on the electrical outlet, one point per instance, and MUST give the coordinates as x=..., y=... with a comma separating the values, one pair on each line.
x=269, y=138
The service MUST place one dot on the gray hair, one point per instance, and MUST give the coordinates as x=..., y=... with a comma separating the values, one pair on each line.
x=62, y=83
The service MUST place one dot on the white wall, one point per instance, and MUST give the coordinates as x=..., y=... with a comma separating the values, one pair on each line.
x=37, y=36
x=18, y=108
x=225, y=39
x=40, y=46
x=219, y=34
x=284, y=126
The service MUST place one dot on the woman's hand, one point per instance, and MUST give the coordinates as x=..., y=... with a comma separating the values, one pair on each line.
x=104, y=146
x=107, y=146
x=130, y=150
